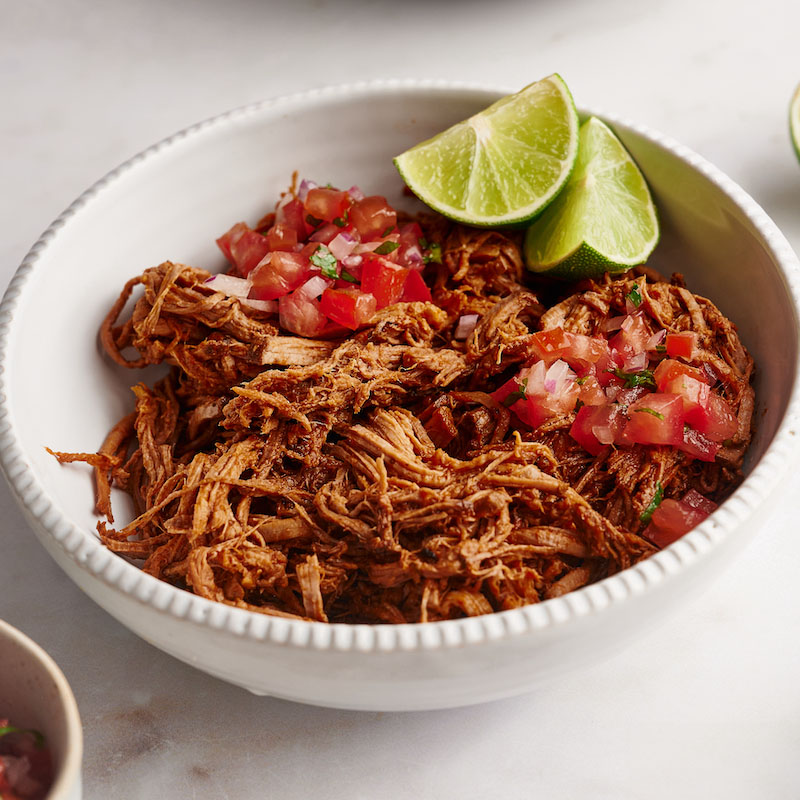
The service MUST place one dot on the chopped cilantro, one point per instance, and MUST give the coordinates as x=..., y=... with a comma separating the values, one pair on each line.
x=661, y=348
x=387, y=231
x=340, y=221
x=312, y=220
x=658, y=496
x=650, y=411
x=644, y=378
x=37, y=735
x=348, y=276
x=386, y=248
x=434, y=252
x=518, y=394
x=326, y=261
x=635, y=296
x=581, y=380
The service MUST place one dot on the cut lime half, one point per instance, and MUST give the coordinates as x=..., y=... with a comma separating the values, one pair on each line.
x=604, y=220
x=794, y=121
x=503, y=165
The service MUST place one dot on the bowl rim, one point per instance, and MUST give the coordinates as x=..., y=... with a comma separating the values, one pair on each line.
x=69, y=771
x=87, y=552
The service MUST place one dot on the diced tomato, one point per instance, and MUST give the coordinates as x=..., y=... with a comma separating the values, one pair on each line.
x=596, y=427
x=591, y=393
x=682, y=344
x=697, y=501
x=278, y=274
x=627, y=396
x=549, y=345
x=695, y=393
x=243, y=247
x=506, y=389
x=6, y=790
x=325, y=233
x=415, y=288
x=585, y=353
x=631, y=340
x=373, y=217
x=383, y=279
x=655, y=419
x=518, y=406
x=224, y=242
x=715, y=419
x=409, y=254
x=348, y=307
x=292, y=215
x=671, y=520
x=669, y=369
x=301, y=315
x=326, y=204
x=698, y=446
x=281, y=237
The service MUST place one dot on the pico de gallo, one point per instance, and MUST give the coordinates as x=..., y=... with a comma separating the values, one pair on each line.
x=327, y=259
x=627, y=385
x=26, y=767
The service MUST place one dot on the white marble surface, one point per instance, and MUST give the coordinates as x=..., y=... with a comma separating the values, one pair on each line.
x=707, y=705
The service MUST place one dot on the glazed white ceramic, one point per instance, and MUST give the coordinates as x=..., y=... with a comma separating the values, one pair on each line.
x=34, y=694
x=170, y=202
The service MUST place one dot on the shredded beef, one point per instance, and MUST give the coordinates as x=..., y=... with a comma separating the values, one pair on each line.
x=374, y=478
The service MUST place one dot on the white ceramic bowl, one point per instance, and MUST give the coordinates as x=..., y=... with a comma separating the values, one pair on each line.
x=169, y=203
x=34, y=694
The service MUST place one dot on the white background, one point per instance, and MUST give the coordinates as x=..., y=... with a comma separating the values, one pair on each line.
x=707, y=705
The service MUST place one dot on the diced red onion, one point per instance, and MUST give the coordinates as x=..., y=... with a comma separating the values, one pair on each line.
x=556, y=377
x=536, y=377
x=367, y=247
x=324, y=234
x=315, y=286
x=612, y=324
x=342, y=245
x=413, y=257
x=302, y=192
x=268, y=306
x=230, y=285
x=355, y=193
x=635, y=363
x=604, y=434
x=352, y=261
x=466, y=325
x=612, y=390
x=656, y=339
x=626, y=324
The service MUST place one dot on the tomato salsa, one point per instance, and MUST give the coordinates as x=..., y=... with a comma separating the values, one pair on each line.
x=627, y=386
x=328, y=258
x=26, y=767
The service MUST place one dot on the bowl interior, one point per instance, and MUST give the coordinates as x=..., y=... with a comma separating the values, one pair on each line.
x=174, y=202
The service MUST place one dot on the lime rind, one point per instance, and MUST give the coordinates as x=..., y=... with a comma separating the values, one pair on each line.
x=794, y=121
x=502, y=166
x=604, y=220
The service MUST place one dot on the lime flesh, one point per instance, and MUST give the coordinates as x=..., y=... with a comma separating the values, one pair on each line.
x=503, y=165
x=604, y=220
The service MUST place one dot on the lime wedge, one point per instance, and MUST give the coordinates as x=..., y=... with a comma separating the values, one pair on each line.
x=503, y=165
x=794, y=121
x=603, y=221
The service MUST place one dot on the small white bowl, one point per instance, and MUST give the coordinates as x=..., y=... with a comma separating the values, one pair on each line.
x=34, y=694
x=170, y=202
